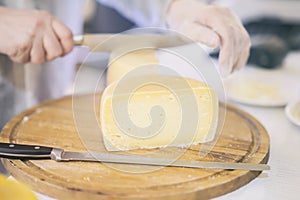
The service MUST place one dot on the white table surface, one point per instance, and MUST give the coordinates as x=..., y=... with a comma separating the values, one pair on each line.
x=283, y=180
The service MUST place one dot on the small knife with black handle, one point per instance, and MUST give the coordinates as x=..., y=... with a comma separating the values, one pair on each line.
x=29, y=152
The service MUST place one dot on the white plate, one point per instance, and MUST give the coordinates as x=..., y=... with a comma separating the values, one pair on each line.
x=259, y=87
x=292, y=111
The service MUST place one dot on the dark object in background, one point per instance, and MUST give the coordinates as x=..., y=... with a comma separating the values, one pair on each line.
x=268, y=51
x=287, y=31
x=271, y=39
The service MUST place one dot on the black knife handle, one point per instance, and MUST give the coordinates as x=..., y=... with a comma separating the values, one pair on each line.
x=22, y=151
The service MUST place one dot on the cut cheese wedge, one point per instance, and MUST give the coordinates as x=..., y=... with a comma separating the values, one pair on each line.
x=120, y=65
x=12, y=190
x=167, y=111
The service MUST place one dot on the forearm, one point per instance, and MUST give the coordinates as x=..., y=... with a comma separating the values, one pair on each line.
x=144, y=13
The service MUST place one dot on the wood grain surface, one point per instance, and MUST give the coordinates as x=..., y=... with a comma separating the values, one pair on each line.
x=243, y=139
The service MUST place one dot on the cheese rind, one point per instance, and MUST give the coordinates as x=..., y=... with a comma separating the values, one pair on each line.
x=127, y=123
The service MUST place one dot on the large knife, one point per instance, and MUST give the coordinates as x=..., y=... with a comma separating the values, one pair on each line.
x=111, y=42
x=28, y=152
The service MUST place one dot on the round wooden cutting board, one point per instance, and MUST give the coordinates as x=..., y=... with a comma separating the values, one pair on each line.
x=243, y=139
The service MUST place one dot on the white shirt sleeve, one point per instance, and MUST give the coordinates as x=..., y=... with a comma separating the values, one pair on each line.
x=150, y=13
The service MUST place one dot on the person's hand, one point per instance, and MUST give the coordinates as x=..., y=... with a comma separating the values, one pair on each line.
x=33, y=36
x=213, y=26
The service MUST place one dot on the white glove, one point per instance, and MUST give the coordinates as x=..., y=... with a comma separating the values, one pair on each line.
x=33, y=36
x=213, y=26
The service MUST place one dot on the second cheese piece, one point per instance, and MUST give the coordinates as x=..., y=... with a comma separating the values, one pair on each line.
x=120, y=65
x=134, y=121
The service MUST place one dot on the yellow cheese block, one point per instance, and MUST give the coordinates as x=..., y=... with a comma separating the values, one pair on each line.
x=12, y=190
x=120, y=65
x=179, y=112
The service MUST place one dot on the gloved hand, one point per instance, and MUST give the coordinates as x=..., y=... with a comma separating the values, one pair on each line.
x=33, y=36
x=213, y=26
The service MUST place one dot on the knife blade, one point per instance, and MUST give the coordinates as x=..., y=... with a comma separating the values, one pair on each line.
x=111, y=42
x=28, y=152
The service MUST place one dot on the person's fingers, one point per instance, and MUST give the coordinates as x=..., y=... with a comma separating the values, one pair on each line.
x=208, y=24
x=227, y=58
x=20, y=59
x=228, y=52
x=244, y=50
x=241, y=62
x=22, y=54
x=37, y=53
x=234, y=53
x=200, y=33
x=234, y=38
x=64, y=35
x=241, y=48
x=52, y=46
x=221, y=36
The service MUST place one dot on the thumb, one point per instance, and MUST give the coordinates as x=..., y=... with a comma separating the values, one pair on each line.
x=200, y=33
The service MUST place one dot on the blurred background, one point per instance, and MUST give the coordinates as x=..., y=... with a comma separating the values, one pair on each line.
x=274, y=27
x=267, y=83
